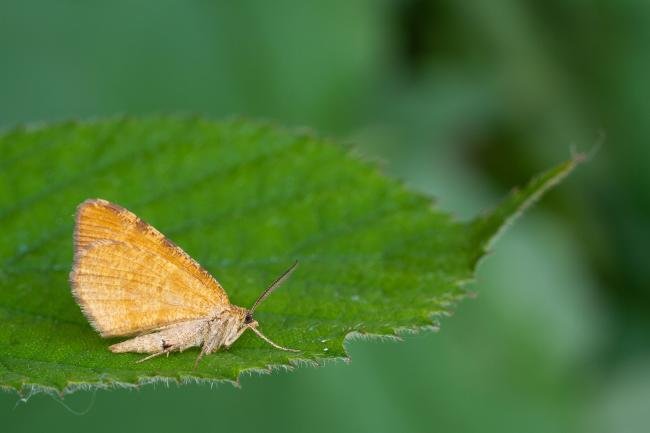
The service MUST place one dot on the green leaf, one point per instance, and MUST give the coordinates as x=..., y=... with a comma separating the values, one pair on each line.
x=246, y=200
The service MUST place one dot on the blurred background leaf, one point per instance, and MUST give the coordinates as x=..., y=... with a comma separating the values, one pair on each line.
x=462, y=101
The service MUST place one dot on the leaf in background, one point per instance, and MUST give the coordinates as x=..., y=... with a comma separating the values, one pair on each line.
x=245, y=200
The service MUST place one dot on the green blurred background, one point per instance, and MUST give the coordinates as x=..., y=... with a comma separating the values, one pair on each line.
x=463, y=100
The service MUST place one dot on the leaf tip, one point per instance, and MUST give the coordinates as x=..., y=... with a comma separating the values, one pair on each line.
x=489, y=227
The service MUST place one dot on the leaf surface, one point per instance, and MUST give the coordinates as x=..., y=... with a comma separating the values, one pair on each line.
x=245, y=200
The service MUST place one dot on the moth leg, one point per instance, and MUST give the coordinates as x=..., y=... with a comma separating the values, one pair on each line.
x=198, y=358
x=153, y=355
x=223, y=335
x=207, y=348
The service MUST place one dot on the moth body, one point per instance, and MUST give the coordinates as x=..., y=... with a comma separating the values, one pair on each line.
x=221, y=330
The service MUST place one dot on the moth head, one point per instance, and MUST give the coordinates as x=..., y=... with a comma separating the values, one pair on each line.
x=249, y=321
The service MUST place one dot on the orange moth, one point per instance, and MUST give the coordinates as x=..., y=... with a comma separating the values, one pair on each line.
x=130, y=280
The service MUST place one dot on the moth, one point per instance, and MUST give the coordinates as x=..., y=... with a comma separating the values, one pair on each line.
x=130, y=280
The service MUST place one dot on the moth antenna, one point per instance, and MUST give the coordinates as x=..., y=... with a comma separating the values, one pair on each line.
x=274, y=285
x=277, y=346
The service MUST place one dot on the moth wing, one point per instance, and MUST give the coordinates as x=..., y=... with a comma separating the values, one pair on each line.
x=123, y=289
x=104, y=225
x=99, y=219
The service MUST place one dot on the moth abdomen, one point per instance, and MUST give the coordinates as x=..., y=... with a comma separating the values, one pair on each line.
x=148, y=343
